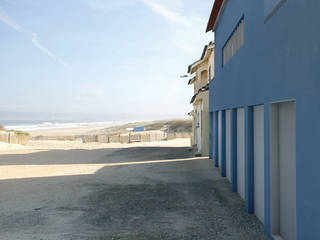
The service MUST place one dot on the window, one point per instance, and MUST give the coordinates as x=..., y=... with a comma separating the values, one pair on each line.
x=270, y=7
x=204, y=78
x=234, y=43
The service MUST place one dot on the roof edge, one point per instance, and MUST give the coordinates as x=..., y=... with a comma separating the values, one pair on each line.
x=205, y=49
x=214, y=16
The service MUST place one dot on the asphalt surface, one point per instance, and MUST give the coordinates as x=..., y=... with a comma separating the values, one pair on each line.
x=170, y=200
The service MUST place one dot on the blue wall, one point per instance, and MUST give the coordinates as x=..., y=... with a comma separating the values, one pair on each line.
x=270, y=6
x=278, y=61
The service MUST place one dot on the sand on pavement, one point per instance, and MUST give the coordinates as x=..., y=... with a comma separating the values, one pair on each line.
x=140, y=192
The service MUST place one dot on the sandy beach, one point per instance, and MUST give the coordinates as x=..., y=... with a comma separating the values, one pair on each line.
x=44, y=145
x=156, y=190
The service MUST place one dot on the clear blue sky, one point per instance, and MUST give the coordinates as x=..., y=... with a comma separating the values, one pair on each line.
x=99, y=57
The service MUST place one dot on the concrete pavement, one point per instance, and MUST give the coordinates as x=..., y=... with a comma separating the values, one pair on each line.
x=83, y=194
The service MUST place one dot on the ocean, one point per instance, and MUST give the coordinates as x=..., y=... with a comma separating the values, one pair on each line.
x=32, y=125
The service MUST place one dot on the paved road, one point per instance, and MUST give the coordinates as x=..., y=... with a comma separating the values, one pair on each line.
x=94, y=199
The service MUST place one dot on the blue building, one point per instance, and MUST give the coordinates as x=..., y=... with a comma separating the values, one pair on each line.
x=138, y=129
x=265, y=103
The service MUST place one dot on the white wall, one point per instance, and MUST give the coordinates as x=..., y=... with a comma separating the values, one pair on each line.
x=240, y=153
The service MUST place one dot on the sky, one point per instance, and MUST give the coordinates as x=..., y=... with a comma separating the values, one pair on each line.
x=99, y=59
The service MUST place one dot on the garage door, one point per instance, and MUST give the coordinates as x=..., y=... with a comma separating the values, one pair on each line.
x=240, y=153
x=258, y=156
x=228, y=145
x=220, y=138
x=283, y=170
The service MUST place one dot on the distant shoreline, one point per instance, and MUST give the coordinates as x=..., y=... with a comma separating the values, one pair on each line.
x=30, y=126
x=72, y=130
x=115, y=128
x=57, y=125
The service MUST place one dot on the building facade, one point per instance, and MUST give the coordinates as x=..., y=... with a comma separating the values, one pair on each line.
x=266, y=110
x=203, y=72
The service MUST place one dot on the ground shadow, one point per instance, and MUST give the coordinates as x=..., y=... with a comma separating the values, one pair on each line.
x=99, y=156
x=173, y=200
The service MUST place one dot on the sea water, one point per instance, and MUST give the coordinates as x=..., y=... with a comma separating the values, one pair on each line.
x=32, y=125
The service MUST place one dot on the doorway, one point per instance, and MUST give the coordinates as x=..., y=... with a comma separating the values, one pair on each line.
x=220, y=138
x=258, y=162
x=283, y=170
x=228, y=145
x=199, y=128
x=240, y=153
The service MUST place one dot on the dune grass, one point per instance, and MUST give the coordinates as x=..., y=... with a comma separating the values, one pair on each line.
x=171, y=125
x=14, y=131
x=19, y=133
